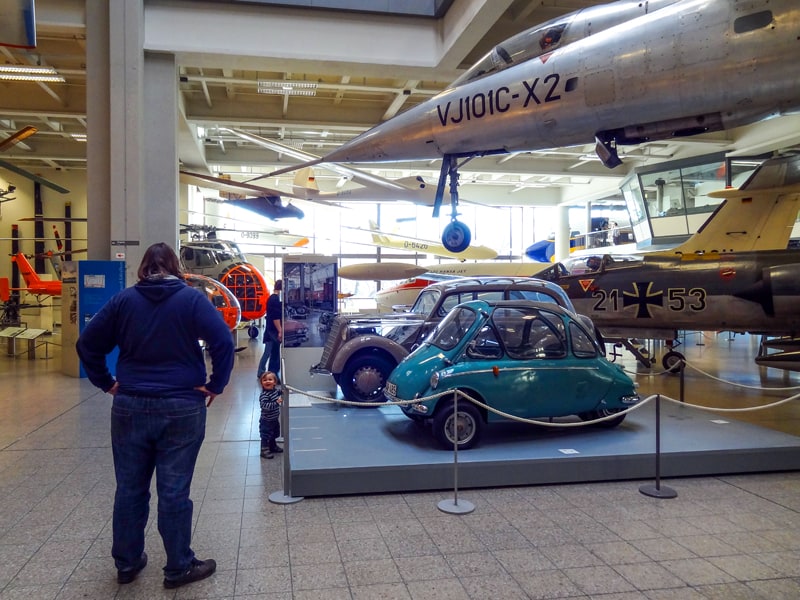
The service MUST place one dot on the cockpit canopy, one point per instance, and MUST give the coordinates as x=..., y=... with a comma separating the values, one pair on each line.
x=556, y=33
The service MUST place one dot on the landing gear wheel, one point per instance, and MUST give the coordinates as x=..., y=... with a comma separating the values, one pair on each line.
x=456, y=236
x=467, y=425
x=673, y=361
x=252, y=331
x=364, y=377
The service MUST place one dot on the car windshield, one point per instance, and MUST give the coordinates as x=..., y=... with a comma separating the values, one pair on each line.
x=453, y=328
x=425, y=302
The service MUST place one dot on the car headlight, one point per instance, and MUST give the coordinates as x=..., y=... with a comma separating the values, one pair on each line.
x=434, y=380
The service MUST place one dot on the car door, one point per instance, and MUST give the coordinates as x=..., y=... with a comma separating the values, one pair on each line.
x=525, y=378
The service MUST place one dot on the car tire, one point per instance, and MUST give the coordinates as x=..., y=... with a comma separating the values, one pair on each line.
x=469, y=425
x=252, y=332
x=364, y=378
x=599, y=414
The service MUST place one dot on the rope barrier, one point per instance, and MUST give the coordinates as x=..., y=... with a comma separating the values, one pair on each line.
x=477, y=403
x=741, y=385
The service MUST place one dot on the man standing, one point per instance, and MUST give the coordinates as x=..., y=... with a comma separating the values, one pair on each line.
x=273, y=333
x=158, y=416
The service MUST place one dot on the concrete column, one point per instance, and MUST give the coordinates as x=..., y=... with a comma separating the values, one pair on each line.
x=98, y=127
x=126, y=59
x=562, y=233
x=159, y=205
x=590, y=239
x=132, y=110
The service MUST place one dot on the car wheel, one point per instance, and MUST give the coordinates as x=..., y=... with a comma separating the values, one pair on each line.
x=673, y=361
x=467, y=425
x=252, y=331
x=364, y=377
x=599, y=414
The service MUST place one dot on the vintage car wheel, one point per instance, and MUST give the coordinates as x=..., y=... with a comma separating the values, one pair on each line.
x=468, y=425
x=603, y=412
x=364, y=377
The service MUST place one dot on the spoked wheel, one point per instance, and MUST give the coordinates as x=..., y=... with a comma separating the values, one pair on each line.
x=364, y=377
x=466, y=425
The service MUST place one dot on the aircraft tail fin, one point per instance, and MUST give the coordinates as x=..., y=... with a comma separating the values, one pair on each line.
x=306, y=180
x=759, y=215
x=759, y=220
x=25, y=268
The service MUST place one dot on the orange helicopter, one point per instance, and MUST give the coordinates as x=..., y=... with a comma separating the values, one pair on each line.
x=224, y=261
x=219, y=295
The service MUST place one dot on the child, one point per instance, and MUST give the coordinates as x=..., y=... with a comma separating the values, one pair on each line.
x=269, y=424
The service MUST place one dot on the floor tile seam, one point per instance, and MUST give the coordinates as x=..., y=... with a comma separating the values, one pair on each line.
x=43, y=499
x=763, y=498
x=66, y=411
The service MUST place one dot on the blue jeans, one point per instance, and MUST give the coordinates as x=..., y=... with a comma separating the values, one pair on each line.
x=272, y=352
x=269, y=430
x=162, y=435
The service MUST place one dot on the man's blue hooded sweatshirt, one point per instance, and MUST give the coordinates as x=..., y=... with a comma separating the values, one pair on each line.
x=157, y=324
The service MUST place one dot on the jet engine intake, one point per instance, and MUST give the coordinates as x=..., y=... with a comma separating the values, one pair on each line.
x=778, y=290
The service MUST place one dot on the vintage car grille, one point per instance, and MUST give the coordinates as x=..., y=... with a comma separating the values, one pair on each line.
x=332, y=343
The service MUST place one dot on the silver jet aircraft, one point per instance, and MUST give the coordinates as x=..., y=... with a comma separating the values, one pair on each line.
x=622, y=73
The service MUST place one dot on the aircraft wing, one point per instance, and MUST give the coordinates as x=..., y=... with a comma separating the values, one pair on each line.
x=381, y=188
x=423, y=246
x=380, y=271
x=16, y=138
x=36, y=178
x=230, y=186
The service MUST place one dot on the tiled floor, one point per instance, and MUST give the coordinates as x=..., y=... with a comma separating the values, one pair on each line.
x=723, y=537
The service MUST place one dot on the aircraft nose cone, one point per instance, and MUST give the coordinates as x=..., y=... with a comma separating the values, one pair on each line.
x=404, y=137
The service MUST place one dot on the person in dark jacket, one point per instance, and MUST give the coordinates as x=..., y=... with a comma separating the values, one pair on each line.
x=273, y=333
x=158, y=415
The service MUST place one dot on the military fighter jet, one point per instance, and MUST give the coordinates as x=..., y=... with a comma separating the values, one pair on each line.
x=619, y=74
x=734, y=274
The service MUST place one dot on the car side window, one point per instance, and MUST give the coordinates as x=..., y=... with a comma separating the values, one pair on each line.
x=485, y=345
x=582, y=346
x=490, y=296
x=529, y=334
x=532, y=295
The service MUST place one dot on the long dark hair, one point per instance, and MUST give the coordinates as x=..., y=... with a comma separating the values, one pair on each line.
x=160, y=259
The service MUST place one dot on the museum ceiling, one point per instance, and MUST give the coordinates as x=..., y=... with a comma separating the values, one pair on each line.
x=346, y=102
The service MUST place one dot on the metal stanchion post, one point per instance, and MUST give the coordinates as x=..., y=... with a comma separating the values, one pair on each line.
x=284, y=496
x=452, y=506
x=656, y=491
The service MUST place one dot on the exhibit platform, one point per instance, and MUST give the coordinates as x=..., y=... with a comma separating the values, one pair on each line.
x=345, y=450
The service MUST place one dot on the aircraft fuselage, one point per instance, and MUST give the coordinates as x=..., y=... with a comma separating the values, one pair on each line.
x=752, y=292
x=682, y=68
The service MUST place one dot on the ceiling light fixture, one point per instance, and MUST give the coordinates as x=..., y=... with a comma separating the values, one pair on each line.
x=287, y=88
x=25, y=73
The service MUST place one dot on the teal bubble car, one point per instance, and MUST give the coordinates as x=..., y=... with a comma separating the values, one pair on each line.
x=526, y=359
